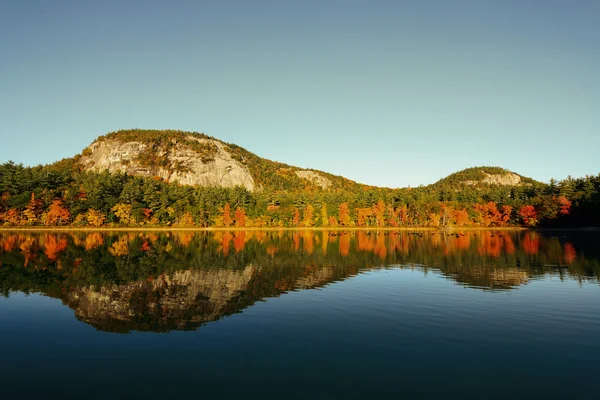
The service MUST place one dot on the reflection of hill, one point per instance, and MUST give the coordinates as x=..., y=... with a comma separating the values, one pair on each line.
x=490, y=278
x=183, y=301
x=165, y=281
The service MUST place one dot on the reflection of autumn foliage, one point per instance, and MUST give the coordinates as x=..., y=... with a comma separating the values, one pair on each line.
x=463, y=242
x=225, y=242
x=239, y=241
x=93, y=241
x=9, y=243
x=185, y=238
x=27, y=248
x=146, y=246
x=309, y=241
x=509, y=245
x=344, y=244
x=380, y=248
x=569, y=253
x=490, y=244
x=120, y=247
x=54, y=245
x=433, y=248
x=531, y=243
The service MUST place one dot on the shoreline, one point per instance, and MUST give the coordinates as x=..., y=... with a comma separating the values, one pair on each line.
x=224, y=229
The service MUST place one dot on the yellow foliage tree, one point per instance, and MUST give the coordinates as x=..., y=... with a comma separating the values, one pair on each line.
x=123, y=212
x=308, y=216
x=95, y=218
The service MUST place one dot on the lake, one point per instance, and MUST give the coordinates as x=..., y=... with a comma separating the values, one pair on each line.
x=300, y=314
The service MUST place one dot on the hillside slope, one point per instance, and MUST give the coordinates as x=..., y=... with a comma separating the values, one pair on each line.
x=192, y=158
x=485, y=176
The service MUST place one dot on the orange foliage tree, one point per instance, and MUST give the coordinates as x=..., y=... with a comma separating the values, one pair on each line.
x=344, y=214
x=379, y=211
x=240, y=217
x=57, y=214
x=460, y=217
x=33, y=210
x=489, y=213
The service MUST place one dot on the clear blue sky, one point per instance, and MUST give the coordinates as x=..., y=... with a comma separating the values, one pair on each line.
x=389, y=93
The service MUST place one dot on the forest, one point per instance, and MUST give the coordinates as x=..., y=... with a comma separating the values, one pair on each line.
x=62, y=194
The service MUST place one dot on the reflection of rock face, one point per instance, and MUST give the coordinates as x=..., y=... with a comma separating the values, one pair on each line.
x=315, y=279
x=183, y=301
x=495, y=278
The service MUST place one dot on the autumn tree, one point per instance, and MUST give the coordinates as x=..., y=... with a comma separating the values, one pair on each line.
x=95, y=218
x=227, y=215
x=240, y=217
x=564, y=205
x=489, y=213
x=186, y=220
x=344, y=214
x=33, y=210
x=123, y=213
x=296, y=217
x=460, y=217
x=57, y=214
x=308, y=216
x=529, y=215
x=403, y=217
x=324, y=217
x=379, y=212
x=506, y=213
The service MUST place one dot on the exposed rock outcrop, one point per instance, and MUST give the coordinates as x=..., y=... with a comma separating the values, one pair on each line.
x=178, y=163
x=316, y=178
x=508, y=179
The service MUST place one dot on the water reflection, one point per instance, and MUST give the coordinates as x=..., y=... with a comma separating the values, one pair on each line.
x=162, y=281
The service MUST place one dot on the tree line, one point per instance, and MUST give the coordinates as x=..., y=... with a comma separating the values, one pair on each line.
x=61, y=194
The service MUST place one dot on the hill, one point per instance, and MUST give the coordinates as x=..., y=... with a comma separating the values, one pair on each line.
x=195, y=159
x=175, y=178
x=485, y=175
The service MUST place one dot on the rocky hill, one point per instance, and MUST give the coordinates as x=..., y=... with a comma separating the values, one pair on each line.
x=192, y=158
x=485, y=176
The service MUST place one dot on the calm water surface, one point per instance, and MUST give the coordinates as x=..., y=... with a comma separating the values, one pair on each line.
x=300, y=314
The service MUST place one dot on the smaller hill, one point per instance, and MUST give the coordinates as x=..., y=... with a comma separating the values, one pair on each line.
x=485, y=176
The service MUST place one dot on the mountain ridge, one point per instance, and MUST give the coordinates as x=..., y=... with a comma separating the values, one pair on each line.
x=193, y=158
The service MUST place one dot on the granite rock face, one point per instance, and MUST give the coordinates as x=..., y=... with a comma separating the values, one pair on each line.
x=179, y=163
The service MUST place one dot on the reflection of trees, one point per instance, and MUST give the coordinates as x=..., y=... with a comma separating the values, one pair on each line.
x=180, y=280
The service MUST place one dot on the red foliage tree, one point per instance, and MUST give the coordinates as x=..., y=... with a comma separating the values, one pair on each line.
x=529, y=215
x=564, y=205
